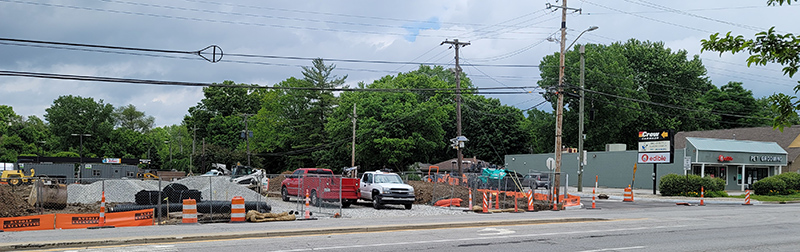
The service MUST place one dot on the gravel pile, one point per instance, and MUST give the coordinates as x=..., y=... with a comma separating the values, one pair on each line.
x=117, y=190
x=124, y=190
x=222, y=188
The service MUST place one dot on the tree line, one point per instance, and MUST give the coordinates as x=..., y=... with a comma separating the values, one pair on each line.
x=400, y=119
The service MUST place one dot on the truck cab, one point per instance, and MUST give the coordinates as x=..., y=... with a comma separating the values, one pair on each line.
x=386, y=188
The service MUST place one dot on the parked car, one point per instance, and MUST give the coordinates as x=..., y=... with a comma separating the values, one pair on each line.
x=321, y=185
x=535, y=180
x=386, y=188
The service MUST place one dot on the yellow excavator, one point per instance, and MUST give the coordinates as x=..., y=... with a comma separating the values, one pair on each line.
x=17, y=177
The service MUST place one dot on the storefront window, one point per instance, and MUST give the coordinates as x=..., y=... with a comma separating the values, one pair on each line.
x=751, y=174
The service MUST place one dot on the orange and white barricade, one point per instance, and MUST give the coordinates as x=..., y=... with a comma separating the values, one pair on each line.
x=189, y=211
x=237, y=210
x=628, y=195
x=747, y=198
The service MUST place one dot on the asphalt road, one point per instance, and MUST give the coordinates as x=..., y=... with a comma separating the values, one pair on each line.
x=640, y=226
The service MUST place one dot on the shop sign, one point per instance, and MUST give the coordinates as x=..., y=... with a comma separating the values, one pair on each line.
x=655, y=158
x=722, y=158
x=112, y=161
x=654, y=135
x=776, y=159
x=654, y=146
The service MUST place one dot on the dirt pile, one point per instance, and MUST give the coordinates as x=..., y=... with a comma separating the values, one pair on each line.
x=14, y=201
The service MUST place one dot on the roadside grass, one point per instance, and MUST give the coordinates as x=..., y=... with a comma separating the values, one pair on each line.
x=778, y=198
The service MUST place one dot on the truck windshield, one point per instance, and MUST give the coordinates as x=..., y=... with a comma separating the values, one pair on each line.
x=388, y=178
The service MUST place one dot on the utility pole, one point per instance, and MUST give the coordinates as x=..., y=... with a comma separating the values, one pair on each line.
x=246, y=133
x=353, y=151
x=560, y=92
x=191, y=157
x=456, y=44
x=580, y=126
x=80, y=170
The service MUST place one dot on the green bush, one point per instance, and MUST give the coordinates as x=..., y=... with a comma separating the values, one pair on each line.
x=792, y=180
x=770, y=186
x=681, y=185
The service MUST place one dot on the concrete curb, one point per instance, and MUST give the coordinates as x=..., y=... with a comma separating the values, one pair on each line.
x=692, y=201
x=279, y=233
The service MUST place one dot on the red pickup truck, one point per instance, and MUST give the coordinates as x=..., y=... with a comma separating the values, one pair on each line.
x=321, y=185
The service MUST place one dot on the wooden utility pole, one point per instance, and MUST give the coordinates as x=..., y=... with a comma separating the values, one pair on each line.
x=560, y=92
x=456, y=44
x=353, y=151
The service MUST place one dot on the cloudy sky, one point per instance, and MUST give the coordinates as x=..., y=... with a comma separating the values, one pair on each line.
x=501, y=32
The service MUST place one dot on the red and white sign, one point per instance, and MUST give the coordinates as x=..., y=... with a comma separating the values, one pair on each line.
x=654, y=158
x=722, y=158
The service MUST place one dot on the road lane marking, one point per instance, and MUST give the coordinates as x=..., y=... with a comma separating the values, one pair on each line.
x=614, y=249
x=496, y=231
x=474, y=238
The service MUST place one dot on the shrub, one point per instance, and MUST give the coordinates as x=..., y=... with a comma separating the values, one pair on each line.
x=681, y=185
x=792, y=180
x=770, y=186
x=671, y=185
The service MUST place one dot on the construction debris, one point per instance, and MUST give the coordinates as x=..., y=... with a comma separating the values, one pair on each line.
x=255, y=216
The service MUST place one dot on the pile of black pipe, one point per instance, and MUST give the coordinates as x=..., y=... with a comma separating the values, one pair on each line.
x=202, y=207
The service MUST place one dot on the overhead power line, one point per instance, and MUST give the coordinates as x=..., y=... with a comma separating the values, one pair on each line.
x=214, y=51
x=200, y=84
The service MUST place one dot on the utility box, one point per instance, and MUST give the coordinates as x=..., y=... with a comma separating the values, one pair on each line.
x=615, y=147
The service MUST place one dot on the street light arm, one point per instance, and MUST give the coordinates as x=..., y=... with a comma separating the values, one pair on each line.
x=592, y=28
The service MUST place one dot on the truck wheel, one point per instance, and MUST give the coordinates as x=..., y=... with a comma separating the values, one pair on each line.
x=347, y=203
x=376, y=203
x=314, y=199
x=284, y=194
x=408, y=206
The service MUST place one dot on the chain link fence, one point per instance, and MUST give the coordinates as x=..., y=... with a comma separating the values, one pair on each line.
x=503, y=192
x=213, y=196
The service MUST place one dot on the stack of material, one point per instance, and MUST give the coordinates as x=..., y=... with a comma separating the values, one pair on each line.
x=255, y=216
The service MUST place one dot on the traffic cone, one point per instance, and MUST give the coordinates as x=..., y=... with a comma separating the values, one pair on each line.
x=307, y=214
x=101, y=220
x=470, y=199
x=702, y=195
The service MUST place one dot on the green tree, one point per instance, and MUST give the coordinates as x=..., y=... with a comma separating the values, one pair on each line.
x=736, y=105
x=541, y=127
x=767, y=47
x=493, y=129
x=394, y=129
x=299, y=110
x=630, y=86
x=77, y=115
x=130, y=118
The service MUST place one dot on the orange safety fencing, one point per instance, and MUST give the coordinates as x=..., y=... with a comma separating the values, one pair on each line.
x=73, y=221
x=28, y=223
x=571, y=200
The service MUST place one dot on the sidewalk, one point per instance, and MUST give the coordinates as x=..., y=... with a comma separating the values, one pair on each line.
x=74, y=238
x=647, y=195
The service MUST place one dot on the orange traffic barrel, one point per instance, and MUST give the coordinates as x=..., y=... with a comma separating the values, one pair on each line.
x=237, y=209
x=189, y=211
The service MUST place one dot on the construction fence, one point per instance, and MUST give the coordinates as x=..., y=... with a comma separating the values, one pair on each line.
x=504, y=191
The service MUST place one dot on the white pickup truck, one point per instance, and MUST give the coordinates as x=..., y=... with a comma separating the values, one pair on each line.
x=385, y=188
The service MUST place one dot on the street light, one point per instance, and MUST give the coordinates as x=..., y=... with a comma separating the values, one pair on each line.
x=170, y=149
x=560, y=107
x=81, y=153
